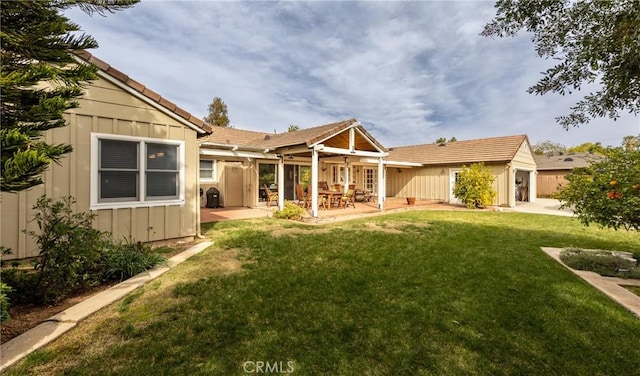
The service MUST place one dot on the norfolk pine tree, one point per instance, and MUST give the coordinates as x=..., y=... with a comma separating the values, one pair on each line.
x=40, y=80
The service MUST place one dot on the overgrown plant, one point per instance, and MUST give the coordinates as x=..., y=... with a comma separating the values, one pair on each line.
x=604, y=263
x=607, y=192
x=290, y=211
x=126, y=259
x=4, y=301
x=69, y=249
x=474, y=186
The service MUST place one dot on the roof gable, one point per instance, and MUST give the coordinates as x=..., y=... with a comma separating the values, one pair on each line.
x=148, y=94
x=495, y=149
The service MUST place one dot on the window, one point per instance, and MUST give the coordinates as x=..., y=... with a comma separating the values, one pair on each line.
x=370, y=180
x=130, y=172
x=338, y=174
x=207, y=170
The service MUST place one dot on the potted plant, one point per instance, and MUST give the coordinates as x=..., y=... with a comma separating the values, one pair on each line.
x=411, y=200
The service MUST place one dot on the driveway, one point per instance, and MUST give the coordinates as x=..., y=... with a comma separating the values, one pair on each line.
x=542, y=206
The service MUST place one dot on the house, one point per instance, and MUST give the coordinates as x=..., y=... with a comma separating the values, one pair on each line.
x=134, y=165
x=554, y=167
x=435, y=167
x=239, y=163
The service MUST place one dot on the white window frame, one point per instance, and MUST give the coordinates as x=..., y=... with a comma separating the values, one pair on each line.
x=95, y=204
x=214, y=171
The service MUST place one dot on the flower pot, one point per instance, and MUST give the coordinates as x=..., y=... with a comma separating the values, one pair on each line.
x=411, y=200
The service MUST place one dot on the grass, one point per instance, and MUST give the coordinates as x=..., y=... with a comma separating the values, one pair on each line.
x=412, y=293
x=633, y=289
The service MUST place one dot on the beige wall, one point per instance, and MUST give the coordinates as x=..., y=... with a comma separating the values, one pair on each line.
x=106, y=108
x=433, y=182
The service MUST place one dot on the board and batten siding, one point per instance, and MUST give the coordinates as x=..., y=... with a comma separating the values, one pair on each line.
x=105, y=108
x=433, y=182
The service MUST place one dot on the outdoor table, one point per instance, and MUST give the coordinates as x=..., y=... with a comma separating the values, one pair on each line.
x=331, y=196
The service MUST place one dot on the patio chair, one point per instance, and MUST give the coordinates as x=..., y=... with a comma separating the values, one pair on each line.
x=322, y=199
x=349, y=198
x=301, y=196
x=323, y=185
x=271, y=196
x=337, y=187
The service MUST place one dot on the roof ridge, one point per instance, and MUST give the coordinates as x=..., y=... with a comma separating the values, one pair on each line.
x=462, y=141
x=142, y=89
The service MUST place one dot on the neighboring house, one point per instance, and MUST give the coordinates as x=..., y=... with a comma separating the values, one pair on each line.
x=240, y=163
x=552, y=169
x=134, y=157
x=509, y=158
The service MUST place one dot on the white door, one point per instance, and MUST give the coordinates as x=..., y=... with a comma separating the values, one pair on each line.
x=454, y=175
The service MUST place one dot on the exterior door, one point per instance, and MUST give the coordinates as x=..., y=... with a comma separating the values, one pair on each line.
x=454, y=175
x=234, y=185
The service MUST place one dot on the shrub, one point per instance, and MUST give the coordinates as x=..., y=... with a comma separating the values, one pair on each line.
x=124, y=260
x=601, y=262
x=607, y=192
x=474, y=186
x=290, y=211
x=69, y=249
x=4, y=301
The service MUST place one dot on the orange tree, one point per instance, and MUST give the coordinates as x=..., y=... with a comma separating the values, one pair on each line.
x=607, y=192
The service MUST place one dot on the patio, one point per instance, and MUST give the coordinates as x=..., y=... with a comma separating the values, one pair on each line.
x=391, y=204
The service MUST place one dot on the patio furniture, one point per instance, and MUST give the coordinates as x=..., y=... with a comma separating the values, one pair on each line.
x=338, y=187
x=322, y=199
x=369, y=196
x=360, y=195
x=271, y=196
x=349, y=198
x=301, y=196
x=333, y=198
x=323, y=186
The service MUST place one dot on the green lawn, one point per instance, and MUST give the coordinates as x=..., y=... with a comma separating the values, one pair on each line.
x=418, y=292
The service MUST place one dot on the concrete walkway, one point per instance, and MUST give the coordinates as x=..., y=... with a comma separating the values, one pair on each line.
x=55, y=326
x=610, y=286
x=541, y=206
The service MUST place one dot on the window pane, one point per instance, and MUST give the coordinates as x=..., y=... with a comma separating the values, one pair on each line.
x=162, y=157
x=118, y=154
x=206, y=165
x=162, y=184
x=119, y=184
x=206, y=174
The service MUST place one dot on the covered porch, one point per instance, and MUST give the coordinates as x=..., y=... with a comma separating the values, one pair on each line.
x=252, y=164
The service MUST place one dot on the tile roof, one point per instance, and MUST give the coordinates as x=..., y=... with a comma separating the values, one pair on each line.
x=564, y=161
x=305, y=137
x=140, y=88
x=496, y=149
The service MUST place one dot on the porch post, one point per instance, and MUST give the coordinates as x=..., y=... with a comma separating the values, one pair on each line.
x=347, y=178
x=382, y=184
x=281, y=183
x=314, y=183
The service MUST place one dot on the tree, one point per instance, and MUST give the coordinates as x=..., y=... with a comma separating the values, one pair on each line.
x=592, y=40
x=443, y=140
x=40, y=80
x=293, y=128
x=631, y=142
x=588, y=147
x=217, y=113
x=474, y=186
x=548, y=147
x=607, y=192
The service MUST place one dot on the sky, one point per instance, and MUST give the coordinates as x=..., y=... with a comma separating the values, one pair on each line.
x=410, y=72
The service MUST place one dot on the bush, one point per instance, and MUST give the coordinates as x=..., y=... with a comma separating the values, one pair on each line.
x=290, y=211
x=124, y=260
x=601, y=262
x=607, y=192
x=69, y=249
x=474, y=186
x=4, y=301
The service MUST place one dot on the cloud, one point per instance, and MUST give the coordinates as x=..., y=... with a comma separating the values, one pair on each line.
x=409, y=71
